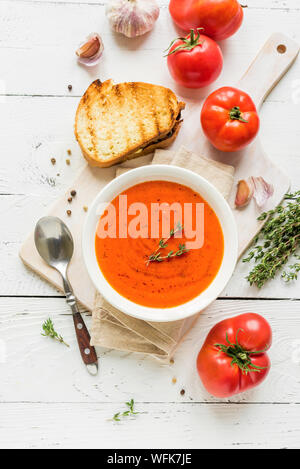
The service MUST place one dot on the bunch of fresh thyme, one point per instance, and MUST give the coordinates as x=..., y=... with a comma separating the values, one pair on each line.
x=278, y=240
x=157, y=256
x=49, y=331
x=130, y=411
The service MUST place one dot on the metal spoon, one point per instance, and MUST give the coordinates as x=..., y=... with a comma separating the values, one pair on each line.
x=55, y=245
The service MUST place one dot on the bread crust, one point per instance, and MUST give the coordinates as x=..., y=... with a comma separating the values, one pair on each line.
x=99, y=90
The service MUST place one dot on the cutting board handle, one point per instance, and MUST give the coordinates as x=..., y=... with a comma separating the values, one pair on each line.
x=270, y=65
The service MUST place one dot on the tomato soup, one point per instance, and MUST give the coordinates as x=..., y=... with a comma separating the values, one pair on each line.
x=178, y=274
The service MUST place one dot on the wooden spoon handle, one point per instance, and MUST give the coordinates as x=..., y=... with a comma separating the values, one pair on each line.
x=88, y=353
x=270, y=65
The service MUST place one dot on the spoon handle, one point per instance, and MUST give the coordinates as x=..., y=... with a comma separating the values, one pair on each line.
x=88, y=353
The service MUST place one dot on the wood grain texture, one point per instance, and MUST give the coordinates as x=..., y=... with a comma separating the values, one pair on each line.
x=159, y=425
x=285, y=5
x=36, y=369
x=49, y=47
x=273, y=61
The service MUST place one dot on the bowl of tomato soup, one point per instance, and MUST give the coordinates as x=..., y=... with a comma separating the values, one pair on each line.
x=160, y=243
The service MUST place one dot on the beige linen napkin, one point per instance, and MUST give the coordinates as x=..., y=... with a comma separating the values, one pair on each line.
x=113, y=329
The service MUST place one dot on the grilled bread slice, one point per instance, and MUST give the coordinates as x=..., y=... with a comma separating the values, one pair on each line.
x=118, y=122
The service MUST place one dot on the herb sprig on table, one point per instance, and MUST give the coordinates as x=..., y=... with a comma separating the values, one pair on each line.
x=278, y=241
x=49, y=331
x=163, y=243
x=117, y=417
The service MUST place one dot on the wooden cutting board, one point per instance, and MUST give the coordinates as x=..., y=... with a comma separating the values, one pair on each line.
x=272, y=62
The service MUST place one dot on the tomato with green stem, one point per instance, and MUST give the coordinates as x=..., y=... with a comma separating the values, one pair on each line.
x=194, y=61
x=233, y=358
x=219, y=18
x=229, y=119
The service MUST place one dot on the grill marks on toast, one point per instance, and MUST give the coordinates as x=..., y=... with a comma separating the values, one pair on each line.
x=166, y=110
x=140, y=134
x=154, y=112
x=116, y=122
x=103, y=116
x=88, y=107
x=120, y=98
x=169, y=105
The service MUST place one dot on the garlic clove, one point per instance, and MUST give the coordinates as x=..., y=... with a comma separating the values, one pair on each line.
x=262, y=190
x=255, y=187
x=132, y=17
x=89, y=48
x=90, y=51
x=244, y=193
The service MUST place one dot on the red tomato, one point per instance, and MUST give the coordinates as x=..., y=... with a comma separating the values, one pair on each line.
x=195, y=61
x=229, y=119
x=233, y=358
x=219, y=18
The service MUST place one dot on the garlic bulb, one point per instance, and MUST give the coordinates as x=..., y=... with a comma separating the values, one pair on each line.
x=90, y=50
x=132, y=17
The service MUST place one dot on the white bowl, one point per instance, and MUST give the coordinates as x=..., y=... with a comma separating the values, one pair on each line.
x=199, y=185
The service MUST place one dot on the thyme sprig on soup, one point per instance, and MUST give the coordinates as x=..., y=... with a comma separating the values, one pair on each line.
x=142, y=222
x=157, y=255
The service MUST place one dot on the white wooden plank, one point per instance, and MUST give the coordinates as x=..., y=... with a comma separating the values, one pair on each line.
x=59, y=426
x=39, y=56
x=267, y=4
x=35, y=369
x=40, y=128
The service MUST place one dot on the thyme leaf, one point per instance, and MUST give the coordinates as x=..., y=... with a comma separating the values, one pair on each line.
x=158, y=257
x=277, y=242
x=117, y=417
x=49, y=331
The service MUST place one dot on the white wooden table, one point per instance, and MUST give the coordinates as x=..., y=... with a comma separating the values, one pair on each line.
x=47, y=400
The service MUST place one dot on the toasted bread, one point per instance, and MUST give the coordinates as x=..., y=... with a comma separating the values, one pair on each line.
x=119, y=122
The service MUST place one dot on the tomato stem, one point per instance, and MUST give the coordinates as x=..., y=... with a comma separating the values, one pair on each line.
x=243, y=356
x=188, y=43
x=236, y=114
x=240, y=356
